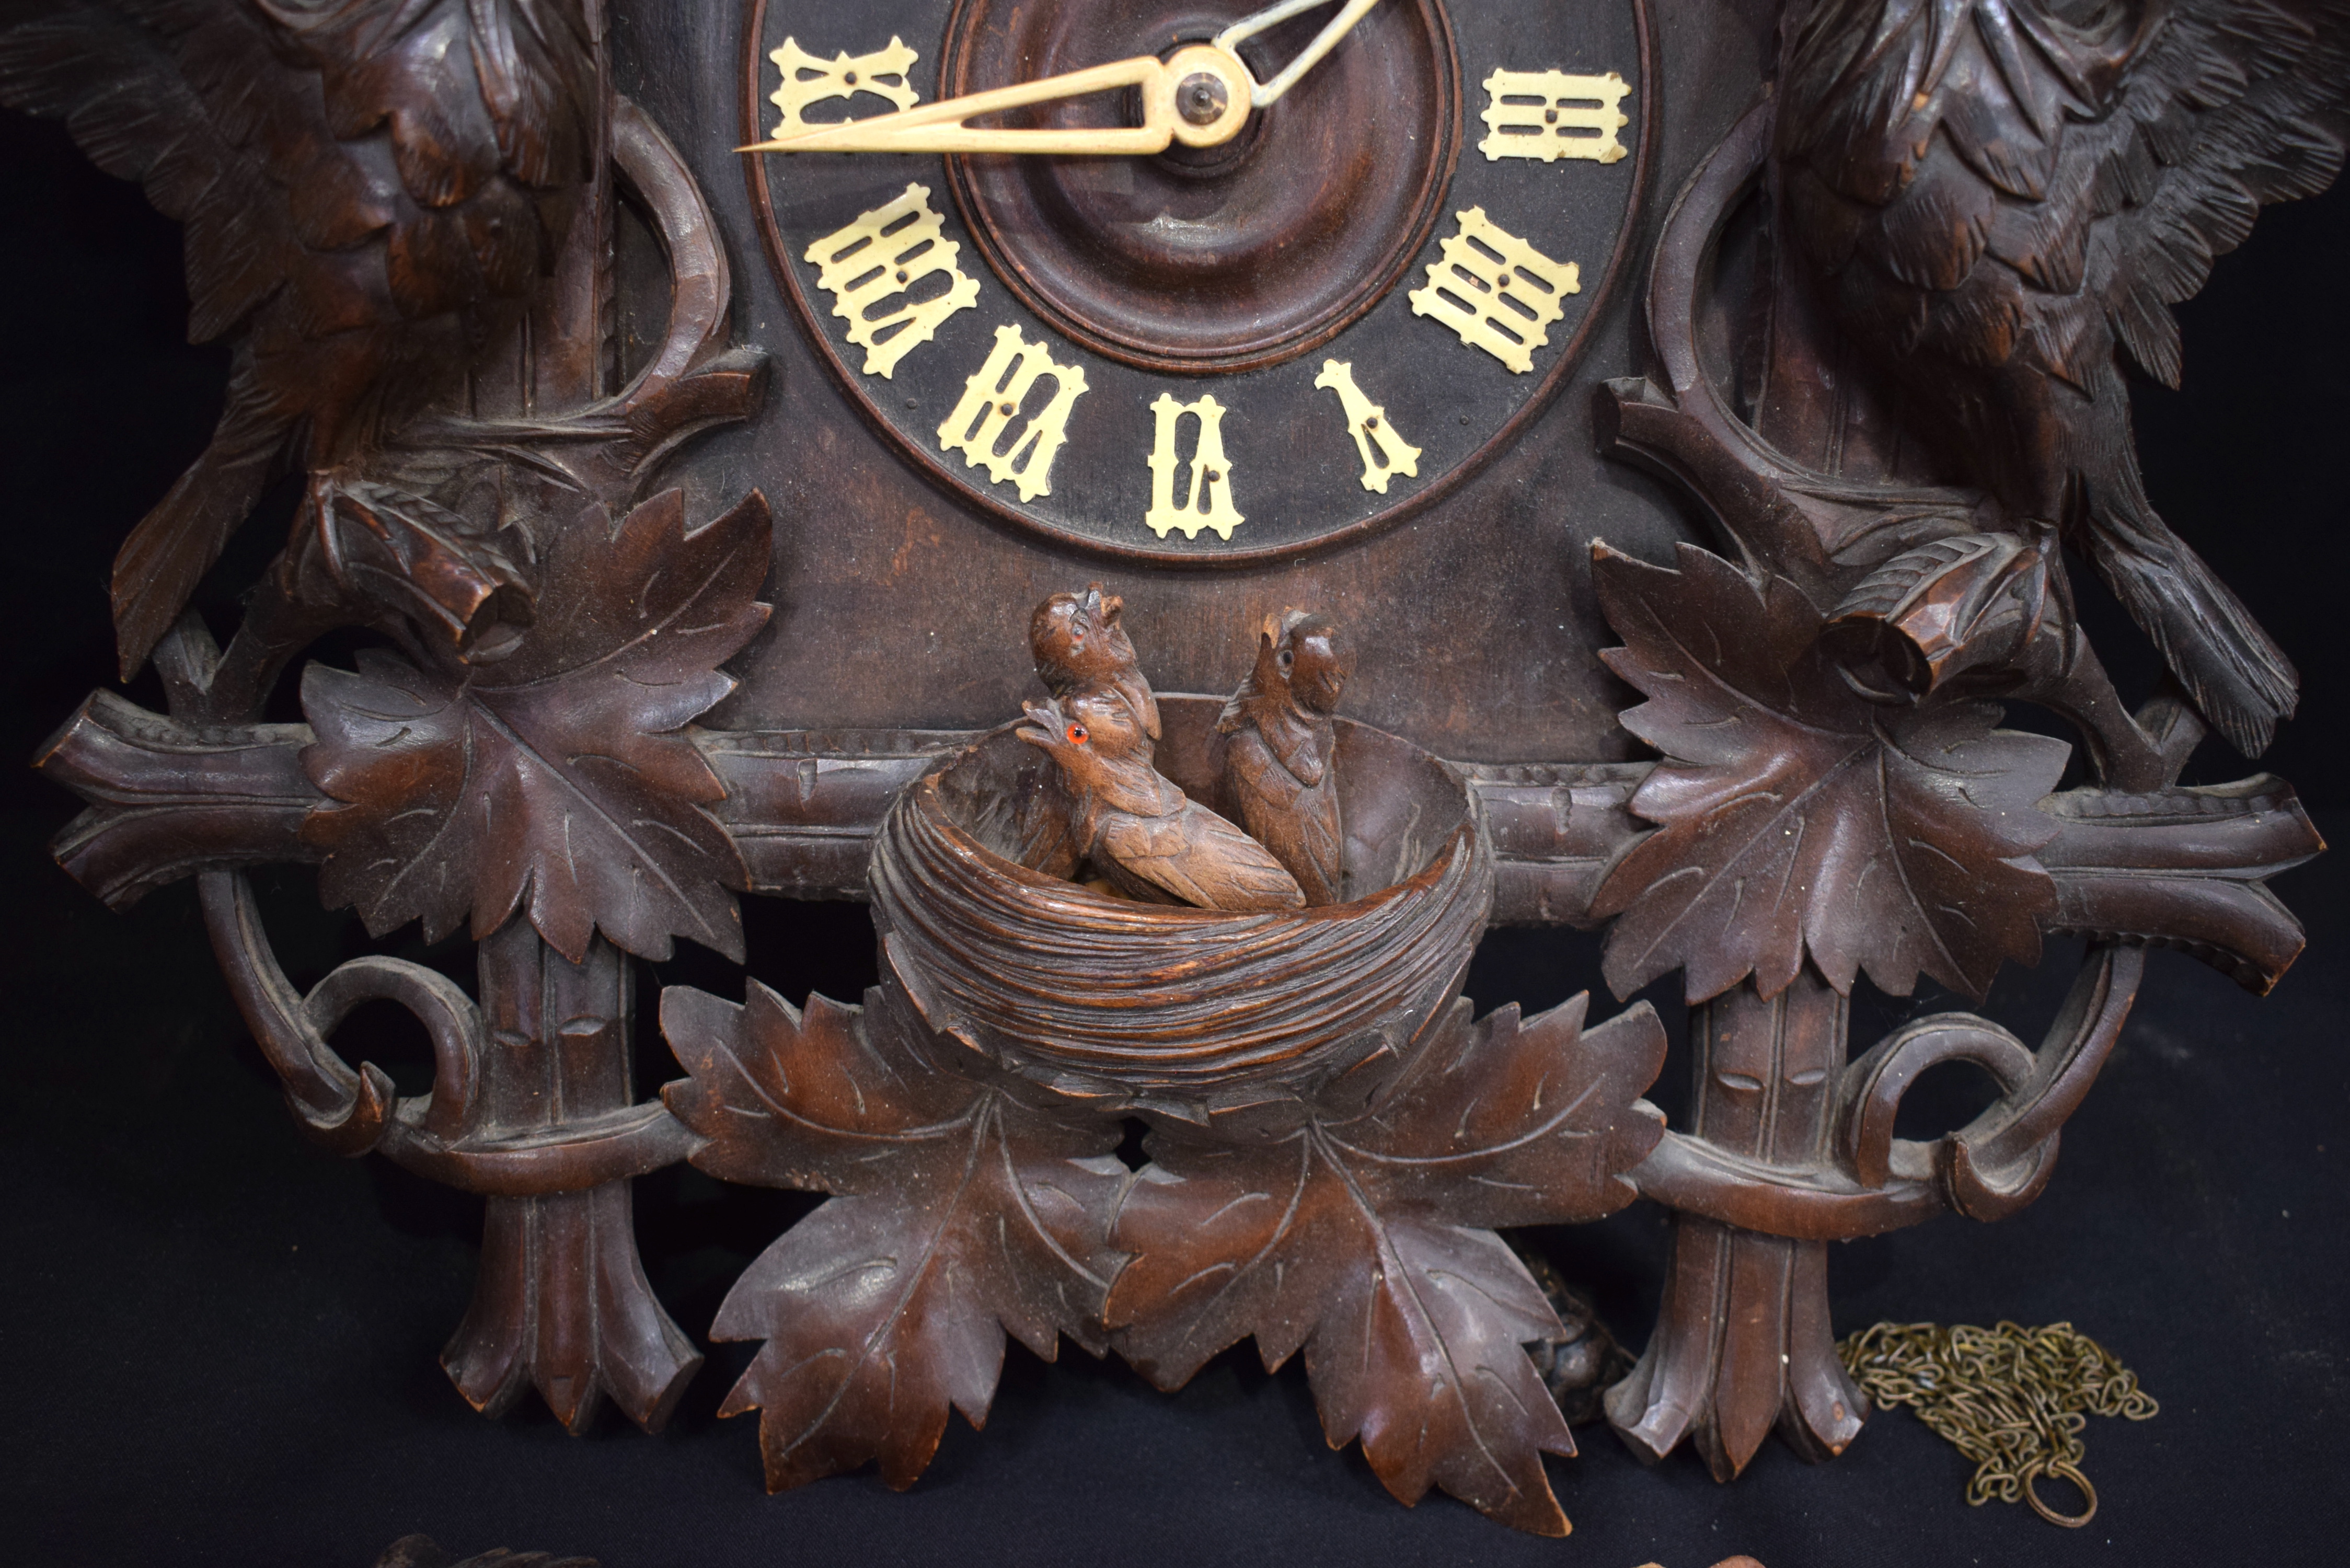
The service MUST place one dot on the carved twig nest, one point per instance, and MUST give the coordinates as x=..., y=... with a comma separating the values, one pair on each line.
x=1180, y=1011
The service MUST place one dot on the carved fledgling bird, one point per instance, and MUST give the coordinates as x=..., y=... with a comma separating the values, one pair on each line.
x=370, y=188
x=1080, y=646
x=2005, y=197
x=1142, y=832
x=1280, y=762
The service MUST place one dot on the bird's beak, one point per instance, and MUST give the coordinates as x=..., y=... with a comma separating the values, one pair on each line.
x=1046, y=718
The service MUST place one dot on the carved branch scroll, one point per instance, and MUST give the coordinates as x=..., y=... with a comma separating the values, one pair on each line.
x=1836, y=799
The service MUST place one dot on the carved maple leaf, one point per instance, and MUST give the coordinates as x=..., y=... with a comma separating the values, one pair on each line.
x=559, y=776
x=959, y=1216
x=1362, y=1241
x=1798, y=816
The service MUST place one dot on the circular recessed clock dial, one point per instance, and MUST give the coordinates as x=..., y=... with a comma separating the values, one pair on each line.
x=1205, y=354
x=1222, y=258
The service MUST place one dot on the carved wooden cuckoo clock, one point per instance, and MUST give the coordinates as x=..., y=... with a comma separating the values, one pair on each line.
x=1195, y=515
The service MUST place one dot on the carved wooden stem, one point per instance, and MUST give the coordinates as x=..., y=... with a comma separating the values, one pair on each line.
x=562, y=1301
x=1744, y=1342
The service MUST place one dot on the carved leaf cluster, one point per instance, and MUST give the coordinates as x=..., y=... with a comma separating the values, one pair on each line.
x=1363, y=1242
x=559, y=778
x=1797, y=817
x=958, y=1216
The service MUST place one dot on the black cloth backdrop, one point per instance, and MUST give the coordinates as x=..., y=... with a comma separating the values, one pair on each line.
x=217, y=1346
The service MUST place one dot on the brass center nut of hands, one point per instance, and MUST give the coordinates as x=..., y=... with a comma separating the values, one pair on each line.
x=1207, y=89
x=1200, y=98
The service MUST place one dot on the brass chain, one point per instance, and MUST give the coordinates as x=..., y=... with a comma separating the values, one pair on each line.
x=2012, y=1399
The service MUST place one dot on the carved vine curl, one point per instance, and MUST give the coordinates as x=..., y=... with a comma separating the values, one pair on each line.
x=1899, y=610
x=388, y=556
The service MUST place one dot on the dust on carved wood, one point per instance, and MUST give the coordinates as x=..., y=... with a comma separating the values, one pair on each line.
x=1362, y=1238
x=958, y=1215
x=558, y=776
x=1797, y=815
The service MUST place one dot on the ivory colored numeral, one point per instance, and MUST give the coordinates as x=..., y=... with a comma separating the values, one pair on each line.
x=1552, y=115
x=1367, y=423
x=991, y=399
x=880, y=257
x=805, y=80
x=1499, y=293
x=1207, y=503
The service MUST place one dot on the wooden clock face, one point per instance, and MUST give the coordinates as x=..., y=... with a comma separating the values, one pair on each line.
x=1209, y=355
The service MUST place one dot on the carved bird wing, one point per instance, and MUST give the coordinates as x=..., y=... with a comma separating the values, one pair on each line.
x=2008, y=203
x=1299, y=744
x=1297, y=822
x=1252, y=764
x=359, y=180
x=1200, y=859
x=2102, y=166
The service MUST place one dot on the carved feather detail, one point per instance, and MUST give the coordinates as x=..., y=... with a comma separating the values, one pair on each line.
x=2004, y=199
x=1143, y=833
x=370, y=189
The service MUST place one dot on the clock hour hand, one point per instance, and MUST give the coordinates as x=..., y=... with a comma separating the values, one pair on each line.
x=1200, y=95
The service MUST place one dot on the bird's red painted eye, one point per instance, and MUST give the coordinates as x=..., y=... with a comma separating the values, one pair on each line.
x=1077, y=736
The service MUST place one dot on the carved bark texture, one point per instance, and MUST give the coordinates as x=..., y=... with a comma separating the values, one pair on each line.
x=168, y=799
x=1743, y=1342
x=562, y=1301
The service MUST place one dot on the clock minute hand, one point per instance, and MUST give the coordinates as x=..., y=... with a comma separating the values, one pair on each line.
x=1200, y=95
x=1248, y=28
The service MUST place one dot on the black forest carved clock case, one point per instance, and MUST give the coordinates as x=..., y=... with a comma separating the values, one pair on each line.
x=1609, y=465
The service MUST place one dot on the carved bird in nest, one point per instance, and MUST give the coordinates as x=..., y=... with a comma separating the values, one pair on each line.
x=371, y=188
x=1142, y=832
x=1279, y=762
x=1080, y=646
x=2004, y=199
